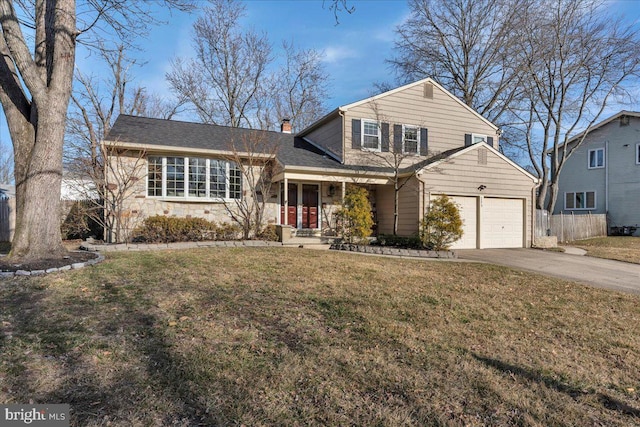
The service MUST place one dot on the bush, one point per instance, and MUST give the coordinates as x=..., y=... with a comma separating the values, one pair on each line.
x=441, y=225
x=413, y=242
x=354, y=217
x=268, y=233
x=164, y=229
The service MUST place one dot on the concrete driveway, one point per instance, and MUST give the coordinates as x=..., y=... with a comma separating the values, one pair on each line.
x=601, y=273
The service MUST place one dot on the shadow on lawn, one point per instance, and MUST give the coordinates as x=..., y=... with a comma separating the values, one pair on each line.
x=607, y=401
x=41, y=332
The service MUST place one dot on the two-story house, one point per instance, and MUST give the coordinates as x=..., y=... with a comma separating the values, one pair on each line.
x=419, y=135
x=602, y=175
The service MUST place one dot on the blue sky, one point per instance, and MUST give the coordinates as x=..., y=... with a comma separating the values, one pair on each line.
x=355, y=50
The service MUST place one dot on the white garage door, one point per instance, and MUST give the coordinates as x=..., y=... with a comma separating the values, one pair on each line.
x=502, y=223
x=468, y=213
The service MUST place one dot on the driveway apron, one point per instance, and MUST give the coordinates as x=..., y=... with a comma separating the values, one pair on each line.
x=601, y=273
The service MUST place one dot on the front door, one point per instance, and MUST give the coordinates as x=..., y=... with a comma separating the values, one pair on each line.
x=309, y=206
x=292, y=209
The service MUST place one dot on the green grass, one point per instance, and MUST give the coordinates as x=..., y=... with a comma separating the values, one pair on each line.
x=241, y=336
x=615, y=247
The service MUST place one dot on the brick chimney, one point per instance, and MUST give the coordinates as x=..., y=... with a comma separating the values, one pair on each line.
x=285, y=126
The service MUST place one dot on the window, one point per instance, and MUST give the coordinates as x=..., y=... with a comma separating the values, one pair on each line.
x=410, y=140
x=638, y=153
x=596, y=158
x=197, y=177
x=580, y=200
x=175, y=177
x=370, y=135
x=476, y=138
x=193, y=178
x=155, y=176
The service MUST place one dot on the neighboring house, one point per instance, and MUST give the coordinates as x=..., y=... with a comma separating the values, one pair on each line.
x=76, y=187
x=602, y=176
x=440, y=146
x=7, y=212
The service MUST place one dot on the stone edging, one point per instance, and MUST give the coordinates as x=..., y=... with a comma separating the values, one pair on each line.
x=74, y=266
x=177, y=245
x=387, y=250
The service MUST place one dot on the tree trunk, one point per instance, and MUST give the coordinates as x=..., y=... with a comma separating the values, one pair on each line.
x=38, y=181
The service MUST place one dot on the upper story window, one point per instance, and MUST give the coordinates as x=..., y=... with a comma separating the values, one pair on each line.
x=410, y=139
x=476, y=138
x=193, y=178
x=580, y=200
x=596, y=158
x=371, y=135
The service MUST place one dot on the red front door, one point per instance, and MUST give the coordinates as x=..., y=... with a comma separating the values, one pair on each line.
x=309, y=206
x=292, y=209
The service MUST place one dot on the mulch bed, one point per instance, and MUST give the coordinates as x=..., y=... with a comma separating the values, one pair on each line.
x=44, y=264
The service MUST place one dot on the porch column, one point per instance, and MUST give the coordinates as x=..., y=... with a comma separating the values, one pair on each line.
x=285, y=193
x=344, y=190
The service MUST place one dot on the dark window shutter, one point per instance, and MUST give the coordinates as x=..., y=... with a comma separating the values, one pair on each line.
x=467, y=139
x=397, y=138
x=424, y=141
x=490, y=140
x=385, y=136
x=356, y=138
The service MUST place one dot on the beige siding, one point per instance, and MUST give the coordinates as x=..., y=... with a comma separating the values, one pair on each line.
x=329, y=136
x=446, y=120
x=384, y=208
x=408, y=208
x=408, y=211
x=462, y=175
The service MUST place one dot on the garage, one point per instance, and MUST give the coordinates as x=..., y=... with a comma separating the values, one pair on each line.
x=499, y=223
x=502, y=223
x=469, y=214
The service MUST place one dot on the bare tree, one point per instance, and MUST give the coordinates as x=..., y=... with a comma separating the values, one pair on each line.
x=576, y=58
x=301, y=87
x=467, y=46
x=222, y=81
x=96, y=103
x=253, y=160
x=399, y=149
x=35, y=88
x=234, y=81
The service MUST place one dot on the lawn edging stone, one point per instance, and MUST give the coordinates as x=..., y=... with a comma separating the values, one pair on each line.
x=391, y=251
x=75, y=266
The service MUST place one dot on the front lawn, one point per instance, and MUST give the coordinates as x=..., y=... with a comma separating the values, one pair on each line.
x=248, y=336
x=613, y=247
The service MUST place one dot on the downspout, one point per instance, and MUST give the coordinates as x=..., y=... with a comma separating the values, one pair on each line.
x=606, y=177
x=533, y=211
x=344, y=128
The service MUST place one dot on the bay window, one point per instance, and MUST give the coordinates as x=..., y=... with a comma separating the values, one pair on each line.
x=193, y=178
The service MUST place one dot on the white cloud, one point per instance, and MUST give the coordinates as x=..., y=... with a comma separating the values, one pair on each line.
x=333, y=54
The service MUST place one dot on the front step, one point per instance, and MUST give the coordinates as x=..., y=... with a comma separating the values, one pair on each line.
x=310, y=241
x=305, y=232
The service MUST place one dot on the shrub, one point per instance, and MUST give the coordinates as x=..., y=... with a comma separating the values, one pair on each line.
x=166, y=229
x=228, y=231
x=413, y=242
x=441, y=225
x=268, y=233
x=354, y=217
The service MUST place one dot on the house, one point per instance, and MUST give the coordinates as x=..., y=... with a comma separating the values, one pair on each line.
x=7, y=212
x=602, y=175
x=419, y=132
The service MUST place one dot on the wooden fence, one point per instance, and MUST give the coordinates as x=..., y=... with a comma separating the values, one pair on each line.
x=7, y=219
x=570, y=227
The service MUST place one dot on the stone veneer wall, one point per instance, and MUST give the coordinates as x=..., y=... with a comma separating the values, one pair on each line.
x=137, y=206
